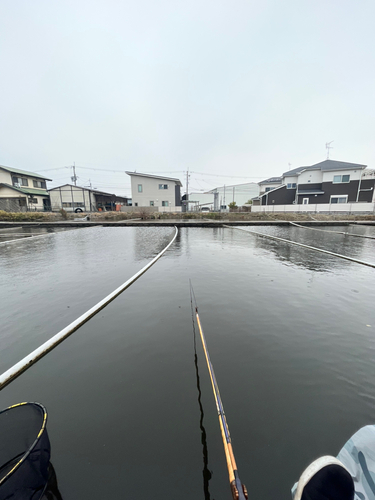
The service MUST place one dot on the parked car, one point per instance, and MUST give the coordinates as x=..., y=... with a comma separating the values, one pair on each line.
x=205, y=209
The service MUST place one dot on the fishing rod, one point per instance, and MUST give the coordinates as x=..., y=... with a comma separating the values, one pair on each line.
x=239, y=491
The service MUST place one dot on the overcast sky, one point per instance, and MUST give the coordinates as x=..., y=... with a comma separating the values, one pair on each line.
x=222, y=88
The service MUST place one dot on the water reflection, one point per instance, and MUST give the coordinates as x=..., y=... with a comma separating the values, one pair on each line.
x=206, y=472
x=312, y=260
x=150, y=241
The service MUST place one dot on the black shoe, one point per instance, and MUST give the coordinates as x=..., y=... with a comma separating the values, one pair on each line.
x=325, y=479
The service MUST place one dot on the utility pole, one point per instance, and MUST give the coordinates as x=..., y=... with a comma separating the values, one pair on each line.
x=187, y=190
x=74, y=178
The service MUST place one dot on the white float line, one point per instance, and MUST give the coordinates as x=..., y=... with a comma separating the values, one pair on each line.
x=41, y=351
x=336, y=232
x=27, y=237
x=304, y=246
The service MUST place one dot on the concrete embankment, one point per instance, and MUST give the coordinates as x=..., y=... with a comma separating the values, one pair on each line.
x=180, y=223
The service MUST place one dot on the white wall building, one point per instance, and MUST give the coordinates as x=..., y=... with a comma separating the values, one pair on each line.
x=155, y=191
x=239, y=193
x=79, y=199
x=21, y=190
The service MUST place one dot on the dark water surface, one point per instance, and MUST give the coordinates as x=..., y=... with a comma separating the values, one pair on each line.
x=290, y=333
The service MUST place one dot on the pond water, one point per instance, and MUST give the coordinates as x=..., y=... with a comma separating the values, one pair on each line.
x=290, y=333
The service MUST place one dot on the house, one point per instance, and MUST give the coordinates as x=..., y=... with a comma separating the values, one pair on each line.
x=155, y=191
x=80, y=199
x=21, y=190
x=327, y=182
x=269, y=184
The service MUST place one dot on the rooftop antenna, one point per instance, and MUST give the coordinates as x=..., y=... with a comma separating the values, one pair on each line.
x=328, y=147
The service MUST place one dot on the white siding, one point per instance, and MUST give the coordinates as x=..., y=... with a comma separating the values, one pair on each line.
x=354, y=174
x=310, y=176
x=151, y=192
x=290, y=180
x=264, y=187
x=240, y=193
x=71, y=197
x=5, y=177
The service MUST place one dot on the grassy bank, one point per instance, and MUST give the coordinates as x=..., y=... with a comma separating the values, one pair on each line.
x=232, y=216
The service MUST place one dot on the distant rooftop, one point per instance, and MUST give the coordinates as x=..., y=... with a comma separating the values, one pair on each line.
x=324, y=166
x=23, y=172
x=271, y=180
x=95, y=191
x=151, y=176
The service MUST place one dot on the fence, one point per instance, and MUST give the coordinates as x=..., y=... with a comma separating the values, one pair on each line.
x=316, y=208
x=150, y=210
x=12, y=205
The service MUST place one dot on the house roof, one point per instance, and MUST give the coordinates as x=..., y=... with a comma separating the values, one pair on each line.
x=325, y=166
x=271, y=180
x=296, y=171
x=151, y=176
x=23, y=172
x=95, y=191
x=337, y=165
x=36, y=192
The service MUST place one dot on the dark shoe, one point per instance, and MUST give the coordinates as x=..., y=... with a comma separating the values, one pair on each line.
x=325, y=479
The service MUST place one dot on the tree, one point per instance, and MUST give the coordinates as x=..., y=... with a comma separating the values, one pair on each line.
x=249, y=202
x=232, y=205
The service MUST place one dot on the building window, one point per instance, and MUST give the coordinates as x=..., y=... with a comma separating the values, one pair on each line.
x=151, y=203
x=305, y=201
x=339, y=199
x=267, y=189
x=33, y=200
x=20, y=181
x=163, y=186
x=140, y=190
x=39, y=184
x=338, y=179
x=165, y=204
x=291, y=185
x=136, y=204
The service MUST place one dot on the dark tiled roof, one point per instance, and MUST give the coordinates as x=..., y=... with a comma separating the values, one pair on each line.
x=337, y=165
x=296, y=171
x=271, y=180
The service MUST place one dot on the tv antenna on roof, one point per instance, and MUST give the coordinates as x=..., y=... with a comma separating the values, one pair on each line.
x=328, y=147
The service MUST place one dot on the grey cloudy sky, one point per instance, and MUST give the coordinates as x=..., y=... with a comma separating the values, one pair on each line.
x=230, y=88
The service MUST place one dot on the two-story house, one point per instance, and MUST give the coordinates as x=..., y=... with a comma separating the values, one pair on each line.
x=21, y=190
x=155, y=191
x=329, y=181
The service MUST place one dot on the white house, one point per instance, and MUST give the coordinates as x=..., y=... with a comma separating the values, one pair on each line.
x=21, y=190
x=155, y=191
